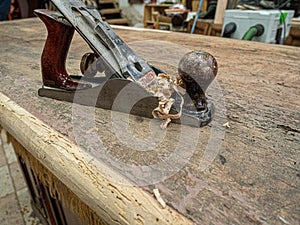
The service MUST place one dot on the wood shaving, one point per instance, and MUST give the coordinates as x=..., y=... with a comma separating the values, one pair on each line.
x=283, y=220
x=227, y=125
x=159, y=198
x=163, y=89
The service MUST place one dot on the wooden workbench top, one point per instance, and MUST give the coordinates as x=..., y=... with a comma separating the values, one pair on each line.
x=247, y=172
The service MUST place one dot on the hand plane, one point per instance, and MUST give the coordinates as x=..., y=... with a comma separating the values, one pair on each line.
x=113, y=69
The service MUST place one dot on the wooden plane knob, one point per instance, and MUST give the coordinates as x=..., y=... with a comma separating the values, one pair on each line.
x=197, y=69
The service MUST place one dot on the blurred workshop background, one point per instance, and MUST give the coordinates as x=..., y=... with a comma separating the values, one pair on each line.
x=275, y=21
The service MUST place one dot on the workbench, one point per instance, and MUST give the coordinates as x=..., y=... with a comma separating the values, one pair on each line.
x=243, y=168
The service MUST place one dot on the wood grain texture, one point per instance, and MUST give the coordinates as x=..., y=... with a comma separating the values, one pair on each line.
x=90, y=180
x=253, y=179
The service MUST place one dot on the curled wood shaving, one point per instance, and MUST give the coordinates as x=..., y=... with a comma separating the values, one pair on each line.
x=163, y=89
x=227, y=125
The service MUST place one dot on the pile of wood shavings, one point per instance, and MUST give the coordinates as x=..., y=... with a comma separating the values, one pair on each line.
x=163, y=89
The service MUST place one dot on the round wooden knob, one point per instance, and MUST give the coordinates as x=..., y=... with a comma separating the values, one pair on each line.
x=197, y=69
x=198, y=66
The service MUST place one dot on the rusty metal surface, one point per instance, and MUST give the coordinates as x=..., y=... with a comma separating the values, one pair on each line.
x=252, y=174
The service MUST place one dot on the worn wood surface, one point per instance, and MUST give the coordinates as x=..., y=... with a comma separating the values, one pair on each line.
x=90, y=179
x=247, y=173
